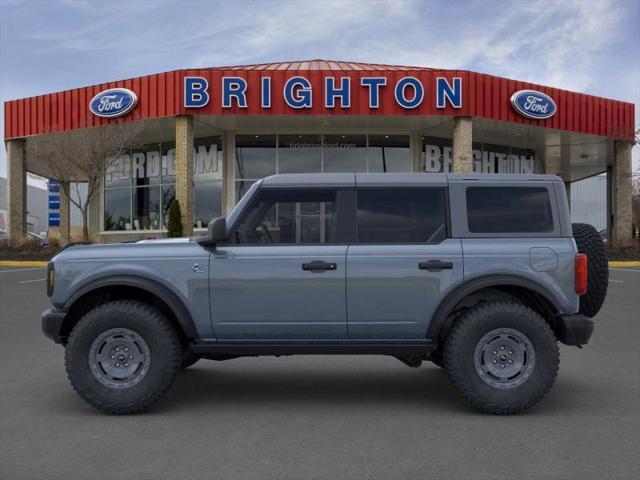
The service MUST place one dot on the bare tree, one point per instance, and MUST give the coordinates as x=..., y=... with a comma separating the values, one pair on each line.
x=82, y=156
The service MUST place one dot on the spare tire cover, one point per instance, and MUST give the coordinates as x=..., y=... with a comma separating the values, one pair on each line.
x=589, y=242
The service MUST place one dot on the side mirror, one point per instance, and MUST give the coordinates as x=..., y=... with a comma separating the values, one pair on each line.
x=217, y=230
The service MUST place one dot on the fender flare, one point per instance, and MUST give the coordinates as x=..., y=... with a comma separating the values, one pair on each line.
x=174, y=303
x=467, y=288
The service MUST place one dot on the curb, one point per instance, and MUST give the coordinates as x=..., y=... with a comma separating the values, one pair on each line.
x=29, y=263
x=22, y=263
x=624, y=264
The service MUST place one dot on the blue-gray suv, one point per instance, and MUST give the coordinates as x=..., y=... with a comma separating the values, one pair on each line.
x=479, y=274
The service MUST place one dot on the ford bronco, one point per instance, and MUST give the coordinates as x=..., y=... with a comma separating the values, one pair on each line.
x=479, y=274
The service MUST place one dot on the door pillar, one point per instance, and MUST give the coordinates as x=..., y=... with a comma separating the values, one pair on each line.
x=462, y=145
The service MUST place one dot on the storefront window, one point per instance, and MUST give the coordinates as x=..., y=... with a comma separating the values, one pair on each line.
x=140, y=186
x=345, y=153
x=299, y=153
x=255, y=156
x=389, y=153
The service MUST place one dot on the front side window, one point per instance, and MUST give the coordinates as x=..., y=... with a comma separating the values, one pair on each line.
x=509, y=210
x=289, y=217
x=387, y=215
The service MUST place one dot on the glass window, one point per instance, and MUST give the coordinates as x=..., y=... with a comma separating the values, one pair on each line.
x=289, y=216
x=145, y=165
x=207, y=159
x=117, y=209
x=208, y=202
x=509, y=210
x=344, y=153
x=299, y=153
x=255, y=156
x=388, y=215
x=436, y=154
x=146, y=208
x=242, y=186
x=168, y=162
x=168, y=195
x=389, y=153
x=118, y=173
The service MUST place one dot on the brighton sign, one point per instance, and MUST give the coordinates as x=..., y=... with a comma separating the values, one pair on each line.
x=297, y=92
x=113, y=103
x=533, y=104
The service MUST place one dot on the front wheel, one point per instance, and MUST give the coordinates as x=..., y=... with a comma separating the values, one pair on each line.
x=502, y=357
x=122, y=356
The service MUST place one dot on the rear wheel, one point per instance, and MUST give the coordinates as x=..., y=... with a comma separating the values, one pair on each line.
x=122, y=356
x=502, y=357
x=589, y=242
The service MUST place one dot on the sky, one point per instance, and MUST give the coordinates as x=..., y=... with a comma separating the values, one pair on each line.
x=589, y=46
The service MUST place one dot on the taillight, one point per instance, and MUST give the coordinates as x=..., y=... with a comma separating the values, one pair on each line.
x=581, y=273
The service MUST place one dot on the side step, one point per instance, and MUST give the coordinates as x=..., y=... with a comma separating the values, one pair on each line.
x=313, y=348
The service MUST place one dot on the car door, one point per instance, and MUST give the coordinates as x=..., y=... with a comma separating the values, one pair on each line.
x=284, y=275
x=401, y=263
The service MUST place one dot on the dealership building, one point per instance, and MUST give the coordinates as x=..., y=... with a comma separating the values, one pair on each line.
x=206, y=135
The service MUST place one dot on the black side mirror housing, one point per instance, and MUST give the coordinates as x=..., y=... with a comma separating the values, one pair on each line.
x=217, y=230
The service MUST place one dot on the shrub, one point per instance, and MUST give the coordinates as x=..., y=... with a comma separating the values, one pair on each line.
x=174, y=226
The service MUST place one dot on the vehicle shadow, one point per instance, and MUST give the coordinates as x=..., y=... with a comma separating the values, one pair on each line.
x=217, y=386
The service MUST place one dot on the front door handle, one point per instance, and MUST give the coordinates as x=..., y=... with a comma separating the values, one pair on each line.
x=319, y=266
x=435, y=265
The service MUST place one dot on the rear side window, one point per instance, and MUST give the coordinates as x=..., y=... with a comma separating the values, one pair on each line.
x=390, y=215
x=509, y=210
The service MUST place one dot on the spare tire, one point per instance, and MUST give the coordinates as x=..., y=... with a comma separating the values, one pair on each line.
x=589, y=242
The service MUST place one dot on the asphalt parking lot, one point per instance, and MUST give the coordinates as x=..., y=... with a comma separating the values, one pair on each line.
x=319, y=417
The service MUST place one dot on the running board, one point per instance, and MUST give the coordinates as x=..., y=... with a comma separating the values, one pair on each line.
x=357, y=348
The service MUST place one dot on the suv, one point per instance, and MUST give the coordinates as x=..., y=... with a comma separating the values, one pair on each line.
x=481, y=275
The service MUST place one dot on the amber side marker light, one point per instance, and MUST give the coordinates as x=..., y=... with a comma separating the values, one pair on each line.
x=581, y=273
x=51, y=275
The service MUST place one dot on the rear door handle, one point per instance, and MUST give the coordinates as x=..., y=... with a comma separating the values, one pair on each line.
x=319, y=266
x=435, y=265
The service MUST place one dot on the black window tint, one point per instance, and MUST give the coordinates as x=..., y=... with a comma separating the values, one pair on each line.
x=509, y=210
x=389, y=215
x=290, y=216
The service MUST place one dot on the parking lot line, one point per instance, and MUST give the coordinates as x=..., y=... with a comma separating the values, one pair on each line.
x=626, y=269
x=616, y=281
x=36, y=280
x=22, y=269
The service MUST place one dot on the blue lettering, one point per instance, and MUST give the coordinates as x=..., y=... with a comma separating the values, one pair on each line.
x=297, y=92
x=195, y=92
x=445, y=92
x=400, y=92
x=331, y=92
x=234, y=87
x=266, y=92
x=374, y=84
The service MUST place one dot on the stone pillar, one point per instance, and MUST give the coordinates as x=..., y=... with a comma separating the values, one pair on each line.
x=621, y=192
x=16, y=191
x=415, y=147
x=65, y=215
x=228, y=172
x=462, y=149
x=184, y=171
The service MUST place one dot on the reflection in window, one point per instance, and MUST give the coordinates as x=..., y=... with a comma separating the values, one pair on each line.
x=117, y=209
x=255, y=156
x=389, y=153
x=345, y=153
x=299, y=153
x=292, y=216
x=146, y=208
x=208, y=202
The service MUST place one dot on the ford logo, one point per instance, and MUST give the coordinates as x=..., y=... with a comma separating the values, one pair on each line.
x=533, y=104
x=114, y=102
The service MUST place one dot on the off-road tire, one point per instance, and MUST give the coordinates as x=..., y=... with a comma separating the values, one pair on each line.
x=149, y=324
x=589, y=242
x=468, y=331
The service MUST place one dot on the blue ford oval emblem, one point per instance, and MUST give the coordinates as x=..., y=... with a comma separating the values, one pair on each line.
x=114, y=102
x=533, y=104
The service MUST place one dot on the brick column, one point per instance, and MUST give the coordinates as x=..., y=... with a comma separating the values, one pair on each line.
x=16, y=191
x=184, y=171
x=462, y=149
x=621, y=191
x=415, y=147
x=65, y=215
